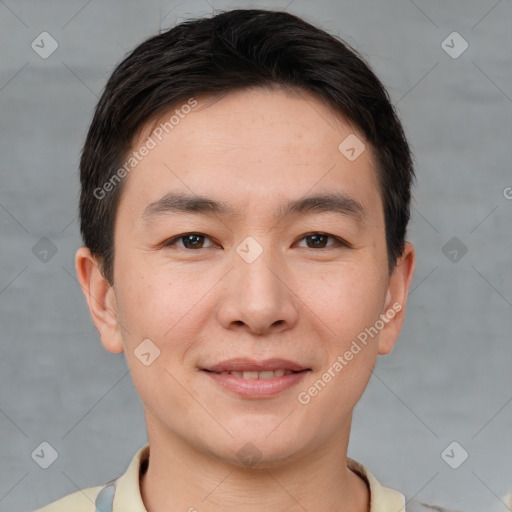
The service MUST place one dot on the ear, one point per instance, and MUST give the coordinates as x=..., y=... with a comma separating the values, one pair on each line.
x=100, y=299
x=396, y=299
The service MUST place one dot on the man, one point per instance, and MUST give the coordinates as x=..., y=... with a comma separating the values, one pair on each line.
x=244, y=203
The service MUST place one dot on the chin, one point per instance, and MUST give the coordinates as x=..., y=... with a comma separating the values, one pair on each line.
x=266, y=452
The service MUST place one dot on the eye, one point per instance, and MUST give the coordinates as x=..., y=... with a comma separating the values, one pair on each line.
x=319, y=241
x=189, y=241
x=194, y=241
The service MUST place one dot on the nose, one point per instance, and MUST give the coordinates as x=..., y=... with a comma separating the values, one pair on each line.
x=258, y=297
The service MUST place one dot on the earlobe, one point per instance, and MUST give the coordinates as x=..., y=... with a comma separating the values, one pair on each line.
x=100, y=299
x=396, y=299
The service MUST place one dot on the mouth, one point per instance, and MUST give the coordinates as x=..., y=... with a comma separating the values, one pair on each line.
x=247, y=378
x=264, y=375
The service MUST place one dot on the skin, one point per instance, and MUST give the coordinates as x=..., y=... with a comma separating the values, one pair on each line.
x=253, y=149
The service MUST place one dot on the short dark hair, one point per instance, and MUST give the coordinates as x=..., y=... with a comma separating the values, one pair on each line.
x=234, y=50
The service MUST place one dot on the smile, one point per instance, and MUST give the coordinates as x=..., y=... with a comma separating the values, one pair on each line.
x=267, y=374
x=254, y=387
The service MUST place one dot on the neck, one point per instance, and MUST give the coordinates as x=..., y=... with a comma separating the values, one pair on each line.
x=182, y=478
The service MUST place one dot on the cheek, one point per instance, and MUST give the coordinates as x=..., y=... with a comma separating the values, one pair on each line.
x=145, y=294
x=158, y=318
x=350, y=304
x=347, y=299
x=161, y=304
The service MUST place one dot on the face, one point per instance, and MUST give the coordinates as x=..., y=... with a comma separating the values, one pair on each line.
x=242, y=268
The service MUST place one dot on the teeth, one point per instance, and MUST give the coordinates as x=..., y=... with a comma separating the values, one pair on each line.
x=267, y=374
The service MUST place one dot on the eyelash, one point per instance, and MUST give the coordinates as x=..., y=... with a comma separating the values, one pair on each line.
x=339, y=242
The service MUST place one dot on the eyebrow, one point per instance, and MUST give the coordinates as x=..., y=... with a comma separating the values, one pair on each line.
x=175, y=202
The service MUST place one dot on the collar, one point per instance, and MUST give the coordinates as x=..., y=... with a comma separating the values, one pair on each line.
x=382, y=499
x=126, y=494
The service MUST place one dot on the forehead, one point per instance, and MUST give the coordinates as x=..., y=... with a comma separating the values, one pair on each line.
x=248, y=147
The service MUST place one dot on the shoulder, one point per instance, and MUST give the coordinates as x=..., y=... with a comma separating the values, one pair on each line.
x=79, y=501
x=91, y=499
x=101, y=497
x=383, y=499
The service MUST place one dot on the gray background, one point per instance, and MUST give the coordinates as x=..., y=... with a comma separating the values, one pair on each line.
x=448, y=379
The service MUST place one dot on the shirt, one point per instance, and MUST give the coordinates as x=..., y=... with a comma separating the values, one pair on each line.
x=123, y=493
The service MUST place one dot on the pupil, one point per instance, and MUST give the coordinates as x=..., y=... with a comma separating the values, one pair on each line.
x=317, y=239
x=194, y=239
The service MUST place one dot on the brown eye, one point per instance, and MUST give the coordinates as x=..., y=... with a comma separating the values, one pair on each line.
x=319, y=241
x=188, y=241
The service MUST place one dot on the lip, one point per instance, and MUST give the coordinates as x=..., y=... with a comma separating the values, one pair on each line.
x=251, y=365
x=256, y=388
